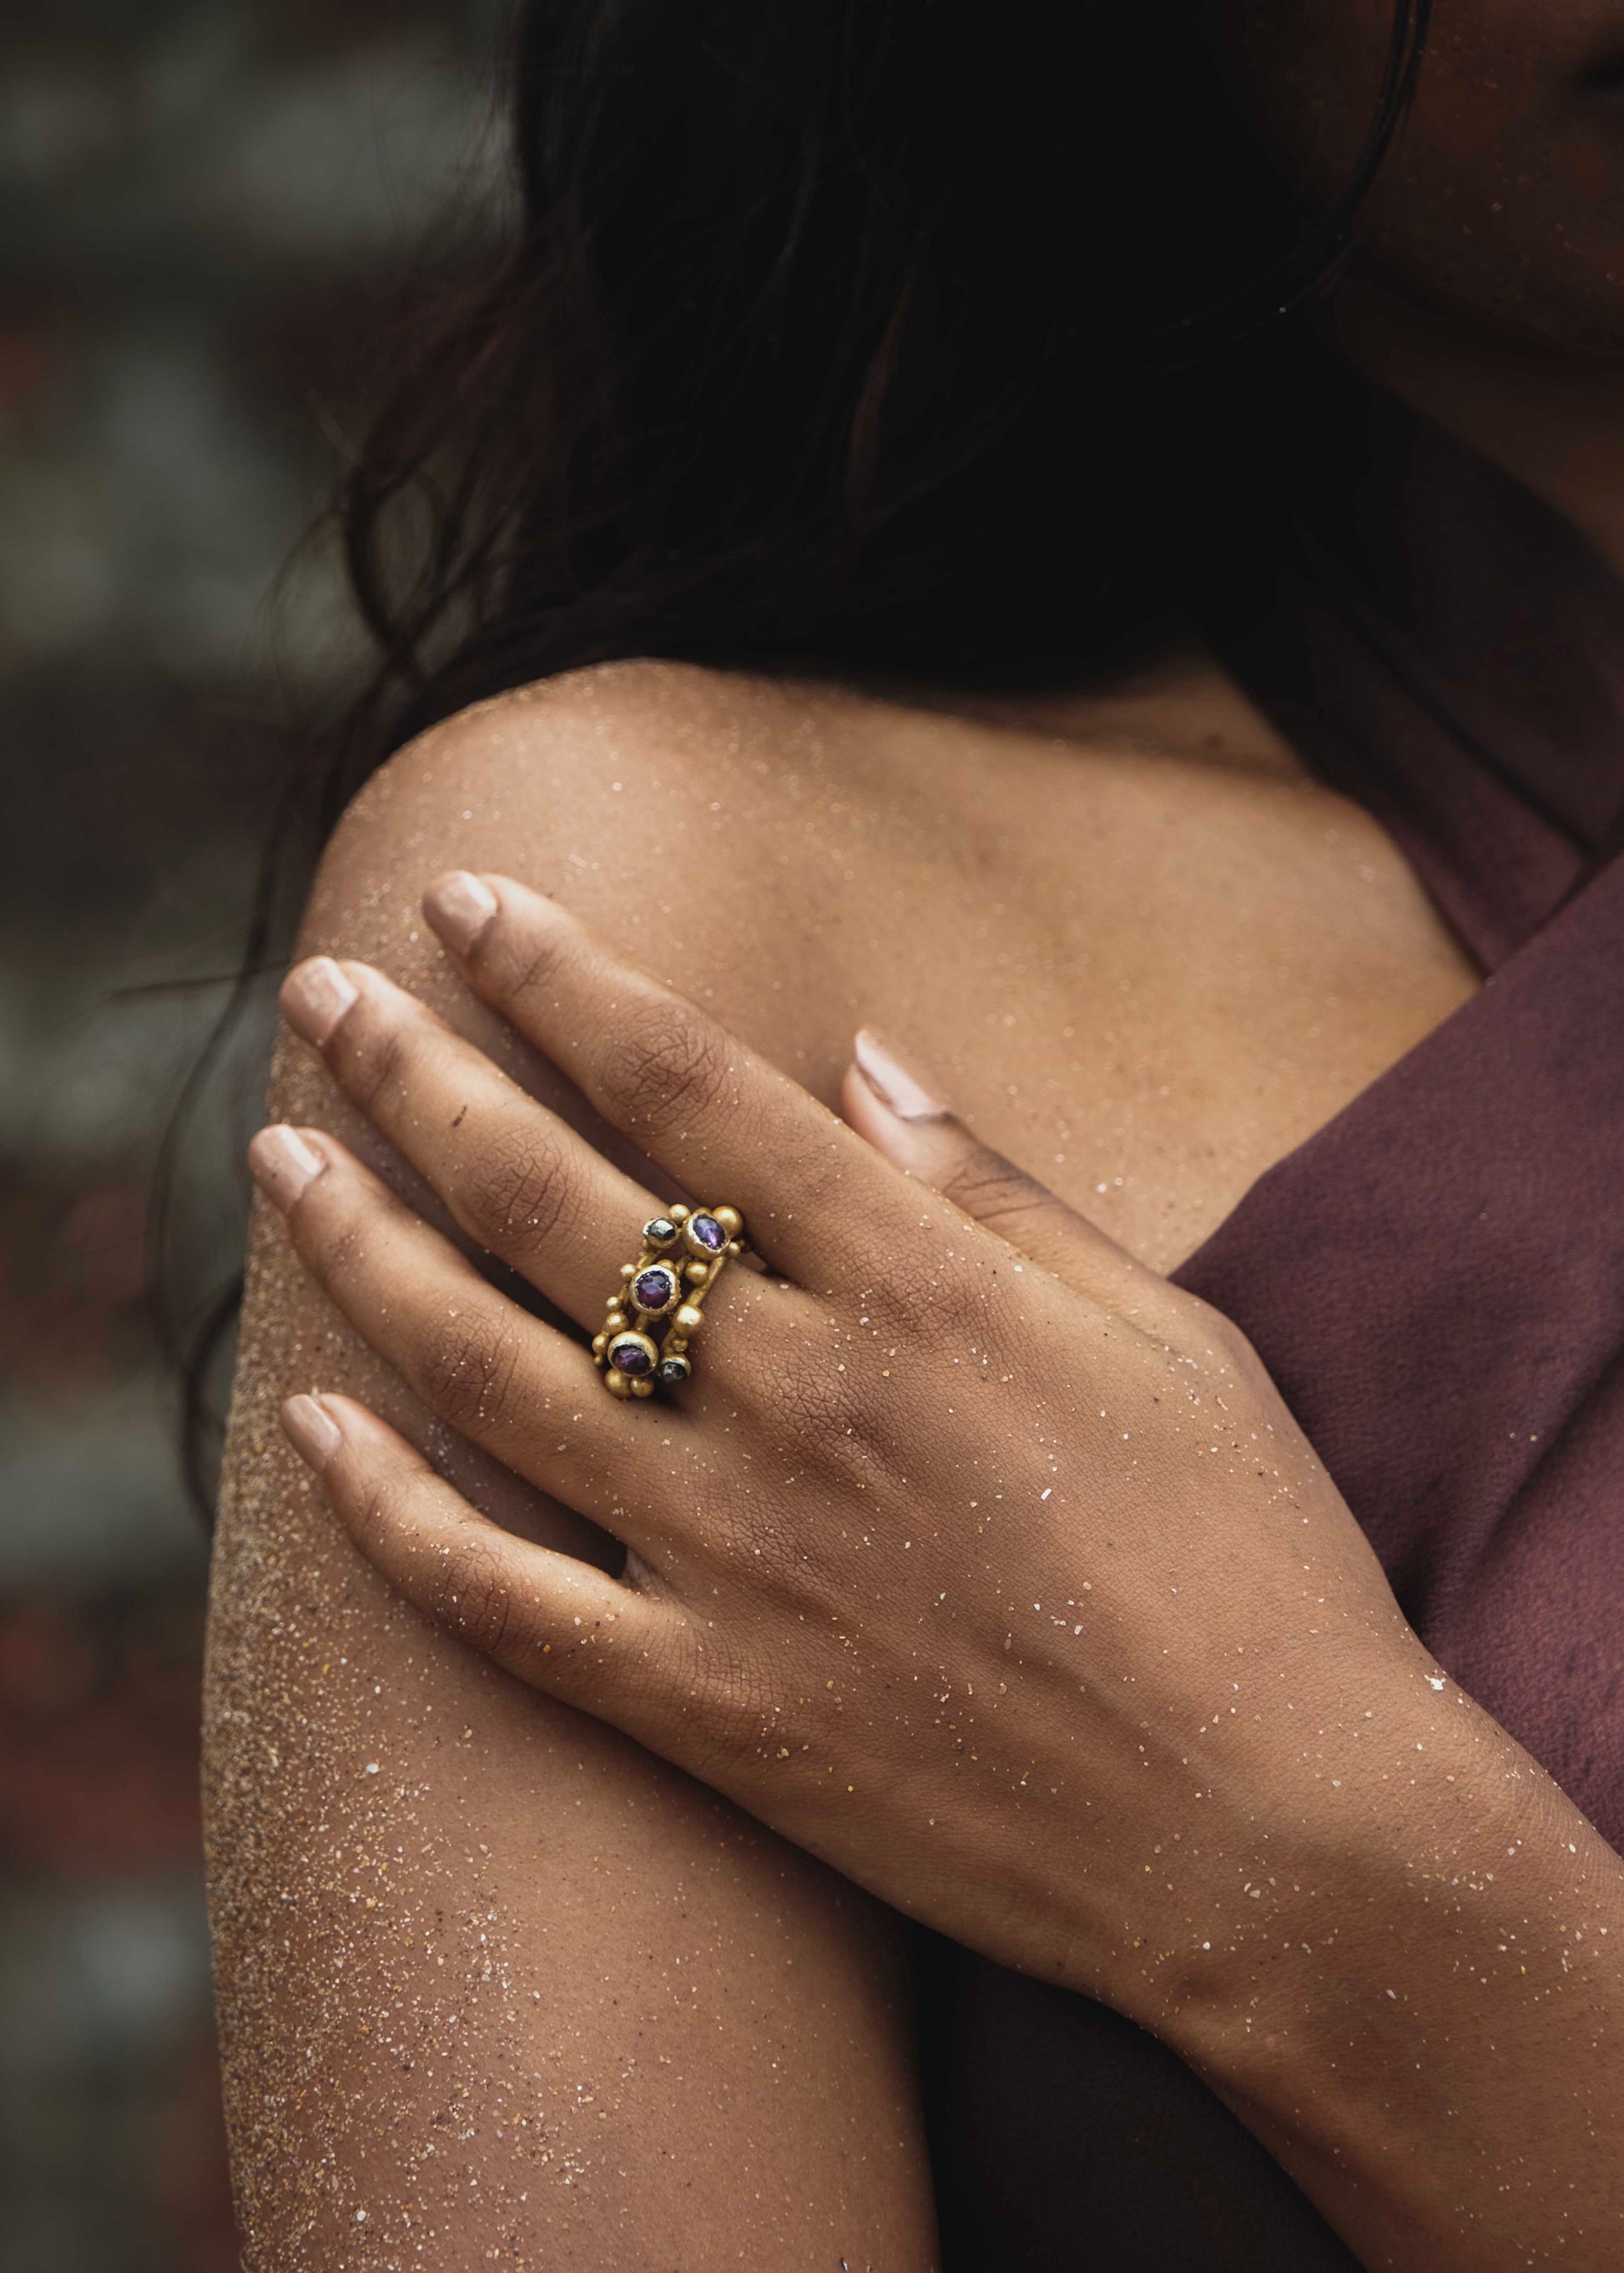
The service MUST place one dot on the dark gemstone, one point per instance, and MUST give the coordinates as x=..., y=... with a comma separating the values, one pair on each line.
x=708, y=1233
x=674, y=1369
x=652, y=1290
x=660, y=1231
x=630, y=1357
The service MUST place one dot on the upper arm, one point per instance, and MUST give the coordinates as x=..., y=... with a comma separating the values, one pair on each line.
x=494, y=1984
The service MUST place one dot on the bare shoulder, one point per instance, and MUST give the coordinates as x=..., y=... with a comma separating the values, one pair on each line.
x=684, y=811
x=768, y=844
x=431, y=1888
x=645, y=768
x=586, y=782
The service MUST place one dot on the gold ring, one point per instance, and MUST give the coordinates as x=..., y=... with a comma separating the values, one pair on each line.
x=659, y=1304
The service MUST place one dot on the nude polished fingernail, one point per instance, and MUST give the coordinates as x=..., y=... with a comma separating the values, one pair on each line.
x=459, y=906
x=283, y=1163
x=315, y=997
x=896, y=1089
x=311, y=1431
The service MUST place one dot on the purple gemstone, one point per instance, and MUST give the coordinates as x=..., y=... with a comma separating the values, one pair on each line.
x=708, y=1233
x=651, y=1290
x=630, y=1357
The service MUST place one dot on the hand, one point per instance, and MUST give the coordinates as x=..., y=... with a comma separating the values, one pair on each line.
x=982, y=1563
x=974, y=1558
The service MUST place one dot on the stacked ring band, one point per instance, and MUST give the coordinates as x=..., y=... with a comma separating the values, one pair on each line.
x=659, y=1305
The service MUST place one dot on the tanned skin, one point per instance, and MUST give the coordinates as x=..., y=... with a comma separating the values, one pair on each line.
x=496, y=1981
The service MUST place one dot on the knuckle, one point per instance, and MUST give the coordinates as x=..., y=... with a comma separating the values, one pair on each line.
x=828, y=1416
x=370, y=1055
x=949, y=1296
x=330, y=1229
x=476, y=1602
x=378, y=1509
x=665, y=1067
x=742, y=1698
x=991, y=1189
x=516, y=1191
x=768, y=1712
x=341, y=1254
x=758, y=1535
x=517, y=963
x=727, y=1700
x=465, y=1374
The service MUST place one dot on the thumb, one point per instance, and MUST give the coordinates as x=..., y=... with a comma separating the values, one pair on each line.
x=884, y=1100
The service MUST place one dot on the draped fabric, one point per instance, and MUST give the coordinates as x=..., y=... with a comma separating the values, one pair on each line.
x=1435, y=1280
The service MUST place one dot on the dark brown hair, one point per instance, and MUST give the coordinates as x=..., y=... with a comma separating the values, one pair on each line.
x=868, y=338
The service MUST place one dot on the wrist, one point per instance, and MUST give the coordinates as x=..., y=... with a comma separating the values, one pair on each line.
x=1421, y=1889
x=1382, y=1794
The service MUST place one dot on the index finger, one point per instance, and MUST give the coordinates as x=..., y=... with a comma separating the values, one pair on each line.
x=693, y=1098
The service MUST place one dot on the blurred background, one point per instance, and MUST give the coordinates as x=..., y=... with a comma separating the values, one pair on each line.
x=210, y=208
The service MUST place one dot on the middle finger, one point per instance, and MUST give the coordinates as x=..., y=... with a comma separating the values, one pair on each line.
x=703, y=1106
x=521, y=1391
x=517, y=1179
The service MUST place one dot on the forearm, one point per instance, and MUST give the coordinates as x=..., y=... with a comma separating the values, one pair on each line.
x=1153, y=1781
x=492, y=1977
x=489, y=1974
x=1427, y=2024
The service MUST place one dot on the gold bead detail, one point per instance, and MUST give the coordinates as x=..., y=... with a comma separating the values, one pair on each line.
x=695, y=1273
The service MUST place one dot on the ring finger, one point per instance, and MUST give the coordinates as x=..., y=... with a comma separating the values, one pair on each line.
x=519, y=1389
x=517, y=1180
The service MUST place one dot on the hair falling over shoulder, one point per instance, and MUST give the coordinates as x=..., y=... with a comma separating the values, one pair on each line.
x=858, y=339
x=868, y=341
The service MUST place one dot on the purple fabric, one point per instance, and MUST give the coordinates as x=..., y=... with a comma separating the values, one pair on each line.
x=1436, y=1283
x=1435, y=1280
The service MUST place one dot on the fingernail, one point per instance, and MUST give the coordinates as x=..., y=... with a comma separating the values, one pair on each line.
x=892, y=1084
x=283, y=1163
x=459, y=906
x=315, y=997
x=311, y=1431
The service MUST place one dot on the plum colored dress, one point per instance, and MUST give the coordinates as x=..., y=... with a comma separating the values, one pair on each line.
x=1435, y=1280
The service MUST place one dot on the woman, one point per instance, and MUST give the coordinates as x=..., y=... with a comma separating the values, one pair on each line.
x=1084, y=692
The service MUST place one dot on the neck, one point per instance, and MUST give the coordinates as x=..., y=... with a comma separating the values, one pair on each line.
x=1555, y=425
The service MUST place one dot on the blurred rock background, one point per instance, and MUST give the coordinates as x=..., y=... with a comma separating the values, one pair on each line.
x=204, y=204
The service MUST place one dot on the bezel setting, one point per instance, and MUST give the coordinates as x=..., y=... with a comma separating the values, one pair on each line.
x=704, y=1236
x=641, y=1348
x=645, y=1283
x=658, y=1306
